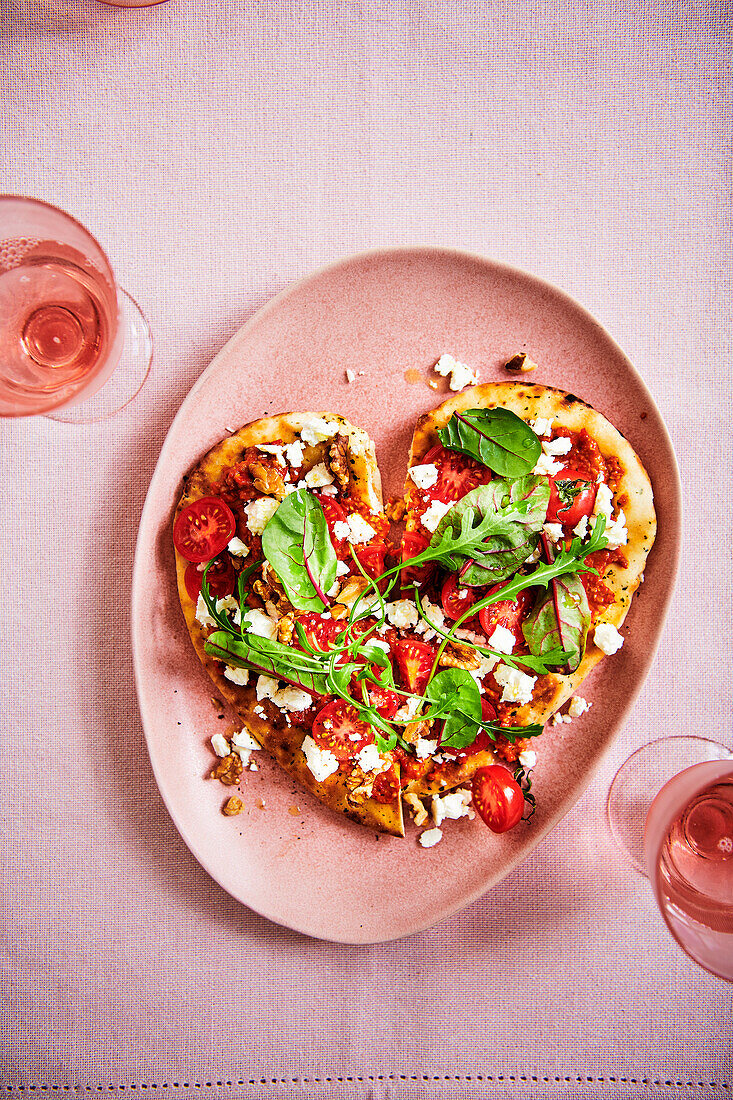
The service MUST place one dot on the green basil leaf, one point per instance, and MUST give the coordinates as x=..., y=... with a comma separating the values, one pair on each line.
x=270, y=658
x=494, y=528
x=496, y=437
x=560, y=619
x=298, y=546
x=455, y=693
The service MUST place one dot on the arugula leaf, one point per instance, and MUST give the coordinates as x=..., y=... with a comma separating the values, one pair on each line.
x=270, y=658
x=455, y=693
x=496, y=437
x=561, y=619
x=519, y=509
x=298, y=546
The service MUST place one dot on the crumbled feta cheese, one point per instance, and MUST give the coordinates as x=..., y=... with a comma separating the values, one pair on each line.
x=238, y=676
x=430, y=838
x=286, y=698
x=341, y=529
x=451, y=806
x=518, y=686
x=424, y=475
x=228, y=603
x=259, y=512
x=502, y=639
x=487, y=665
x=616, y=532
x=578, y=705
x=369, y=759
x=465, y=635
x=341, y=568
x=560, y=719
x=460, y=375
x=408, y=711
x=535, y=555
x=257, y=622
x=435, y=614
x=220, y=745
x=425, y=747
x=547, y=466
x=275, y=449
x=294, y=453
x=321, y=762
x=380, y=644
x=315, y=429
x=202, y=612
x=402, y=613
x=553, y=531
x=319, y=476
x=359, y=529
x=237, y=548
x=329, y=491
x=541, y=426
x=245, y=740
x=434, y=513
x=528, y=758
x=604, y=501
x=560, y=446
x=350, y=376
x=581, y=527
x=607, y=638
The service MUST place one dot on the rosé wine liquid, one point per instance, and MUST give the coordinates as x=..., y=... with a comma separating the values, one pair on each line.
x=58, y=321
x=689, y=842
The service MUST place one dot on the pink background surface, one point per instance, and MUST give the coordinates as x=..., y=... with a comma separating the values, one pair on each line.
x=219, y=151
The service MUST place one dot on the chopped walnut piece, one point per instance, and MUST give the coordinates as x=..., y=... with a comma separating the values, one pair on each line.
x=395, y=510
x=520, y=364
x=456, y=655
x=228, y=770
x=267, y=479
x=353, y=588
x=338, y=462
x=416, y=807
x=232, y=806
x=417, y=729
x=286, y=629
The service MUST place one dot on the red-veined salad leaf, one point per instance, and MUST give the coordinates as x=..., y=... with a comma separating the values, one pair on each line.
x=496, y=437
x=298, y=546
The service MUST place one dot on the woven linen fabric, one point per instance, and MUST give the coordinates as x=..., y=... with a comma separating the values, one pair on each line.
x=220, y=150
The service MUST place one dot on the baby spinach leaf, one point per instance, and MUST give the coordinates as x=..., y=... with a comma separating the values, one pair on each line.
x=560, y=619
x=455, y=694
x=496, y=437
x=270, y=658
x=298, y=546
x=493, y=529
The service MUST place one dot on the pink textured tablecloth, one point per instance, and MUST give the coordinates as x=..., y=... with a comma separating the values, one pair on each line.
x=220, y=150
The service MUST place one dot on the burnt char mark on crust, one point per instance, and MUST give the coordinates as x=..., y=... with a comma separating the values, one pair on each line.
x=571, y=399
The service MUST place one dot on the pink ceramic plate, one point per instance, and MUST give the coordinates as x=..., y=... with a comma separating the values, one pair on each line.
x=387, y=316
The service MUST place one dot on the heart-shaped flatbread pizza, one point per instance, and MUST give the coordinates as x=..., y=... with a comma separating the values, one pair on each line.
x=380, y=674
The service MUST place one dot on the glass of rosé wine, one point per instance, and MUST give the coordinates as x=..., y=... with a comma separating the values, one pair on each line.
x=73, y=345
x=670, y=808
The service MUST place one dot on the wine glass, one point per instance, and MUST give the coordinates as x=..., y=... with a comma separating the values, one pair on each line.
x=670, y=808
x=66, y=329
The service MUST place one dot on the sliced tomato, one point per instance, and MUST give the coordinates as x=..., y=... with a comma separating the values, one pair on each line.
x=413, y=543
x=203, y=529
x=386, y=702
x=386, y=786
x=457, y=474
x=334, y=513
x=572, y=496
x=414, y=661
x=338, y=728
x=410, y=767
x=321, y=633
x=507, y=613
x=456, y=599
x=372, y=558
x=221, y=578
x=497, y=797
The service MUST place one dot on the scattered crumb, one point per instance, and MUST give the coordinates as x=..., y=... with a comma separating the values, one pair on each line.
x=350, y=376
x=460, y=374
x=430, y=838
x=433, y=383
x=560, y=719
x=520, y=364
x=578, y=705
x=416, y=808
x=232, y=806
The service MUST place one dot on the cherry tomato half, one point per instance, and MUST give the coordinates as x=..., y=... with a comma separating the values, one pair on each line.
x=372, y=558
x=221, y=578
x=572, y=496
x=414, y=660
x=507, y=613
x=413, y=543
x=321, y=633
x=497, y=797
x=203, y=529
x=386, y=786
x=456, y=598
x=457, y=474
x=338, y=728
x=334, y=513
